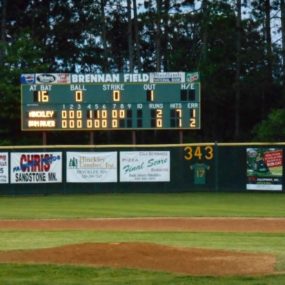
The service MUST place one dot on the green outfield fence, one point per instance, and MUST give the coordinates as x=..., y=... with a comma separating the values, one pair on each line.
x=141, y=168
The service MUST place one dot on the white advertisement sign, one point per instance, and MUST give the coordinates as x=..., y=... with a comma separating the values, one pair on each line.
x=36, y=167
x=144, y=166
x=91, y=167
x=4, y=176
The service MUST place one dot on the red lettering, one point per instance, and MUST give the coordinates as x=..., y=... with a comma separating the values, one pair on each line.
x=47, y=162
x=35, y=162
x=23, y=162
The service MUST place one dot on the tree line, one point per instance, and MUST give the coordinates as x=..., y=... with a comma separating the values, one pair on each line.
x=238, y=46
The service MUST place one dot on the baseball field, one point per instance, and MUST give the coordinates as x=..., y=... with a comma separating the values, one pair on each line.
x=190, y=238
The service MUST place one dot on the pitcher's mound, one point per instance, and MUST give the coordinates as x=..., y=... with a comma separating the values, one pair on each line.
x=148, y=256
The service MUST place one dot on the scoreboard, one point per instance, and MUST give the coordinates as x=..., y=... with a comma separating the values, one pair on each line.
x=129, y=101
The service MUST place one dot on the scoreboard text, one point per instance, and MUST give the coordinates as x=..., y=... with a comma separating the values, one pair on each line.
x=63, y=101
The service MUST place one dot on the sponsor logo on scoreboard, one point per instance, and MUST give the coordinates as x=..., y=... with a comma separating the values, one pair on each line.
x=45, y=78
x=167, y=77
x=191, y=77
x=66, y=78
x=27, y=78
x=54, y=78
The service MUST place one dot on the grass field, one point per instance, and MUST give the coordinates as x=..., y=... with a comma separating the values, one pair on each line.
x=144, y=205
x=138, y=205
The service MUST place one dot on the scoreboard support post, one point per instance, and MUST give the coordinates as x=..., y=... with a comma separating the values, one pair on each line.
x=91, y=138
x=180, y=136
x=134, y=137
x=44, y=138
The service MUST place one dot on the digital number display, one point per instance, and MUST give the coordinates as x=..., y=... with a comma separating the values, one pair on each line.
x=64, y=101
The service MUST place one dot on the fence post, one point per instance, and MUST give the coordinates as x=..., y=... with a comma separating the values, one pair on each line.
x=216, y=157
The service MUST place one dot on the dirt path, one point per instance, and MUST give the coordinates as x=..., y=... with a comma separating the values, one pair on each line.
x=271, y=225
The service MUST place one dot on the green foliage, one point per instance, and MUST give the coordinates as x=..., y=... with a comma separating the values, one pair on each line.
x=23, y=56
x=273, y=128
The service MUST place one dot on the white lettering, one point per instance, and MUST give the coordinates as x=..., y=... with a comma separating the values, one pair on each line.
x=106, y=87
x=41, y=114
x=136, y=77
x=77, y=87
x=155, y=106
x=45, y=87
x=41, y=123
x=97, y=78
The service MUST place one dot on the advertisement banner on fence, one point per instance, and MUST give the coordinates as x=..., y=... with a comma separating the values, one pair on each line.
x=144, y=166
x=264, y=169
x=91, y=167
x=4, y=176
x=36, y=167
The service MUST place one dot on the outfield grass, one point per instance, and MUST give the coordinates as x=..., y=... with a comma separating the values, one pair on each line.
x=75, y=275
x=138, y=205
x=144, y=205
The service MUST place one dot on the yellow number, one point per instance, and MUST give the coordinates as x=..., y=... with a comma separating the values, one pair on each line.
x=122, y=114
x=179, y=113
x=116, y=95
x=79, y=114
x=79, y=124
x=198, y=152
x=209, y=152
x=71, y=114
x=104, y=114
x=78, y=96
x=150, y=94
x=114, y=114
x=42, y=96
x=89, y=114
x=104, y=123
x=63, y=114
x=71, y=124
x=189, y=153
x=96, y=124
x=158, y=118
x=158, y=123
x=114, y=123
x=64, y=124
x=89, y=124
x=158, y=113
x=193, y=123
x=193, y=119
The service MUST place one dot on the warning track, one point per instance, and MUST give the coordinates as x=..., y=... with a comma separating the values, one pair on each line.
x=270, y=225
